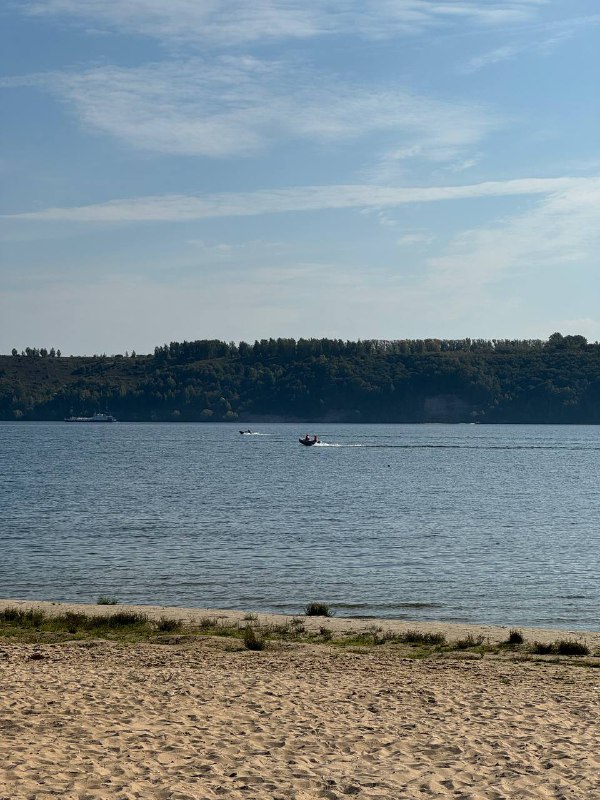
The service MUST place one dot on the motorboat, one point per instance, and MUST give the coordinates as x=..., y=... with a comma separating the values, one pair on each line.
x=307, y=441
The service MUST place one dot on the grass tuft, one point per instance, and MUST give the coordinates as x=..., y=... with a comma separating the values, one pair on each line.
x=90, y=622
x=571, y=647
x=251, y=640
x=561, y=647
x=420, y=637
x=543, y=648
x=318, y=610
x=30, y=618
x=469, y=641
x=515, y=637
x=166, y=625
x=107, y=600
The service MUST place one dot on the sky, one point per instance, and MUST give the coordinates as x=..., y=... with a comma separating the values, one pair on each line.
x=354, y=169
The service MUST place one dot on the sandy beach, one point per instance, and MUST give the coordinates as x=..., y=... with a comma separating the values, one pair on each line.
x=209, y=718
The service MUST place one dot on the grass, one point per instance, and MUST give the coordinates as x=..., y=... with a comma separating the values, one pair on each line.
x=36, y=623
x=571, y=647
x=31, y=618
x=167, y=625
x=376, y=636
x=38, y=626
x=469, y=641
x=542, y=648
x=253, y=641
x=561, y=647
x=515, y=637
x=318, y=610
x=416, y=637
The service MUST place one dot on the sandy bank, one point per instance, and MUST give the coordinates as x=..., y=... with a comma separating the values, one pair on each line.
x=109, y=721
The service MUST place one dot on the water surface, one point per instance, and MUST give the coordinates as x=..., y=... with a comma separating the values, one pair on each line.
x=470, y=523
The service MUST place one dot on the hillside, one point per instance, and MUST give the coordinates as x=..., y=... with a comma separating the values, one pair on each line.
x=324, y=380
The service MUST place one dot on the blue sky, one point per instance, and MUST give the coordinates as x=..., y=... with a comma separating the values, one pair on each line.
x=224, y=169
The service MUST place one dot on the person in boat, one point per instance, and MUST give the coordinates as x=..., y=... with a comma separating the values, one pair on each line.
x=307, y=438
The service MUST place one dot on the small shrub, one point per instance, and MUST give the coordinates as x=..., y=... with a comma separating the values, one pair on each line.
x=250, y=617
x=515, y=637
x=166, y=625
x=106, y=600
x=326, y=633
x=318, y=610
x=419, y=637
x=251, y=640
x=571, y=647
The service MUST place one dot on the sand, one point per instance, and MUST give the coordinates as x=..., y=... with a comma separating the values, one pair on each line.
x=117, y=721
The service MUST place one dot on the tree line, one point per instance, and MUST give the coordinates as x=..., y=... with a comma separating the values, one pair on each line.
x=430, y=380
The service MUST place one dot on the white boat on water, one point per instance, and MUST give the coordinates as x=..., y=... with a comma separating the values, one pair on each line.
x=95, y=418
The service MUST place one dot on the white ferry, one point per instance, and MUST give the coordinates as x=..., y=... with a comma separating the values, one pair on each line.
x=95, y=418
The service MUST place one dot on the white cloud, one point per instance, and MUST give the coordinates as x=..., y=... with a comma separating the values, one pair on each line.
x=174, y=208
x=452, y=295
x=541, y=39
x=237, y=106
x=237, y=21
x=563, y=229
x=504, y=53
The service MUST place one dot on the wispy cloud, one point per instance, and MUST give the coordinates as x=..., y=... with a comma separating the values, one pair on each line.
x=540, y=39
x=173, y=208
x=562, y=229
x=503, y=53
x=237, y=21
x=237, y=106
x=415, y=238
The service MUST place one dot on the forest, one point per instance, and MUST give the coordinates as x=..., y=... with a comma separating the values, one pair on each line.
x=314, y=380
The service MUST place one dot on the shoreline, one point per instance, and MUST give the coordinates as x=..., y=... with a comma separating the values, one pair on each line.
x=342, y=625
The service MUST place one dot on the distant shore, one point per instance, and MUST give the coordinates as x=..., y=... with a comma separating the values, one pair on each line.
x=206, y=717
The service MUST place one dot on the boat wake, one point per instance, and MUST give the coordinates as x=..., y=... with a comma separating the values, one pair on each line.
x=453, y=446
